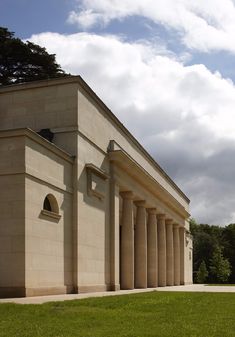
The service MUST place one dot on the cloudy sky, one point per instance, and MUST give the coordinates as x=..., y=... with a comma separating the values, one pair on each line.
x=165, y=68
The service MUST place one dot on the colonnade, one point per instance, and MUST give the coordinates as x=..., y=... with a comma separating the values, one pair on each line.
x=150, y=253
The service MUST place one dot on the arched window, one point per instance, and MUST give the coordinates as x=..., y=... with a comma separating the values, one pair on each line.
x=47, y=205
x=50, y=204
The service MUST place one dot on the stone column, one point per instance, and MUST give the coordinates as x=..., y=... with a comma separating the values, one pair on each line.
x=176, y=240
x=140, y=246
x=114, y=225
x=152, y=249
x=182, y=252
x=127, y=242
x=161, y=250
x=169, y=253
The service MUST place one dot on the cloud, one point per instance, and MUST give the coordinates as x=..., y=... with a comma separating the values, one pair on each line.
x=184, y=115
x=201, y=25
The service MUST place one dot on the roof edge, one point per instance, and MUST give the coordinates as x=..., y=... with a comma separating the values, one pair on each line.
x=79, y=80
x=88, y=89
x=39, y=83
x=26, y=132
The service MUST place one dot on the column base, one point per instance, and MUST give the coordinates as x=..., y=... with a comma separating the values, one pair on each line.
x=153, y=285
x=114, y=287
x=141, y=287
x=93, y=288
x=161, y=285
x=127, y=288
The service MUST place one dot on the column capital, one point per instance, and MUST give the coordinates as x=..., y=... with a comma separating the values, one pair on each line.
x=151, y=211
x=175, y=225
x=169, y=221
x=141, y=203
x=127, y=195
x=161, y=216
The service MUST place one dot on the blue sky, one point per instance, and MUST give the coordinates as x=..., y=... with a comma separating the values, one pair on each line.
x=28, y=17
x=165, y=68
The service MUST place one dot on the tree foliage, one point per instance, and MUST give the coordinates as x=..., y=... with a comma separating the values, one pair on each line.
x=215, y=246
x=219, y=266
x=24, y=61
x=202, y=273
x=229, y=248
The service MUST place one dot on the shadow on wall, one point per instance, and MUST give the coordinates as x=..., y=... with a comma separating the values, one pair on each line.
x=93, y=186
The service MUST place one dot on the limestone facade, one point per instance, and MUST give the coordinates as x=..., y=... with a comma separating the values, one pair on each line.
x=89, y=210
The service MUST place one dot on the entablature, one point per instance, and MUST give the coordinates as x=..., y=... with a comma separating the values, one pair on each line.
x=131, y=168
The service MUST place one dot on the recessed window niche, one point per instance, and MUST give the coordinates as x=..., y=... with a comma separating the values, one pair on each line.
x=50, y=207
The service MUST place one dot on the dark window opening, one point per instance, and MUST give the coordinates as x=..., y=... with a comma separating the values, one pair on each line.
x=47, y=205
x=47, y=134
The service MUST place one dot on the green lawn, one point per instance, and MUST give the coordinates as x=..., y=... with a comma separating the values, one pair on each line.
x=157, y=314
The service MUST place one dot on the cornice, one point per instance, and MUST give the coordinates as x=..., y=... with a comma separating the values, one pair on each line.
x=26, y=132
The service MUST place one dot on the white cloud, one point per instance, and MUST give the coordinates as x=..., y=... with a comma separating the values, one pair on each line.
x=184, y=115
x=202, y=25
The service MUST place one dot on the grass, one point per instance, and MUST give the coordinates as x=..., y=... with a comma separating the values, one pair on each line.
x=158, y=314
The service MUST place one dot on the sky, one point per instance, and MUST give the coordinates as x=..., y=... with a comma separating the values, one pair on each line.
x=165, y=68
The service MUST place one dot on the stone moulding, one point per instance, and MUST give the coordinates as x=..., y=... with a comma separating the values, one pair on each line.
x=95, y=181
x=128, y=164
x=50, y=214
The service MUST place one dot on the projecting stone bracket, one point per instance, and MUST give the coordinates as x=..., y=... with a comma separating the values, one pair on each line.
x=96, y=181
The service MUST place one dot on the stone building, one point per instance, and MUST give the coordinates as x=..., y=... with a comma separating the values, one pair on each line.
x=83, y=207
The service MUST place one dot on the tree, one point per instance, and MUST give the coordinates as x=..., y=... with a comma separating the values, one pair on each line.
x=24, y=62
x=204, y=243
x=229, y=248
x=202, y=273
x=207, y=239
x=220, y=268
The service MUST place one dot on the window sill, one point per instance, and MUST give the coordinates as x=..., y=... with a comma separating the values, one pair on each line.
x=50, y=214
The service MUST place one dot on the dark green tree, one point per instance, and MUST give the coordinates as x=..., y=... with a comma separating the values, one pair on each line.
x=203, y=244
x=207, y=239
x=229, y=248
x=220, y=268
x=202, y=273
x=24, y=62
